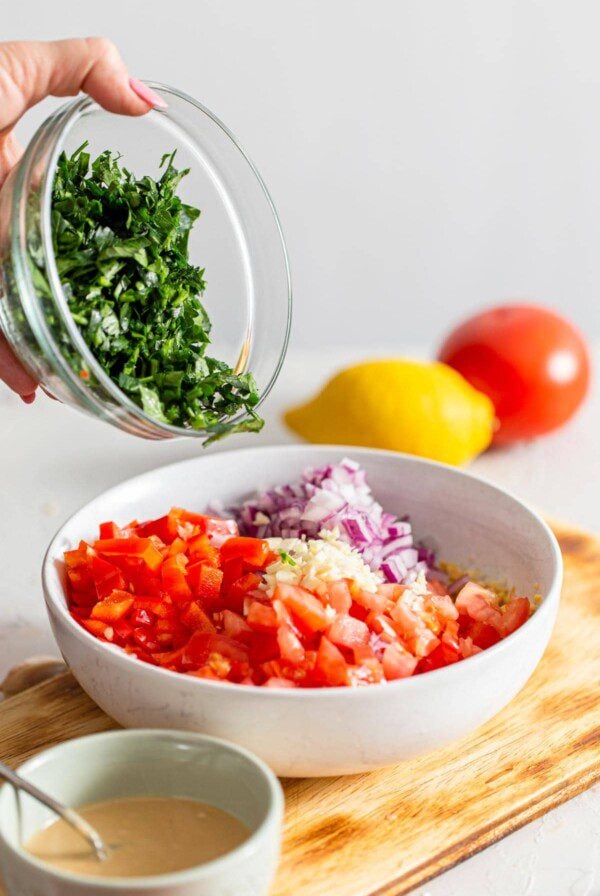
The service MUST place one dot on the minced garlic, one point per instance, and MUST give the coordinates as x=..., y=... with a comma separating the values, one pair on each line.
x=323, y=559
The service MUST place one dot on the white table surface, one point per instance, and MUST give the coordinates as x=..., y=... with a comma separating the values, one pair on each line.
x=53, y=459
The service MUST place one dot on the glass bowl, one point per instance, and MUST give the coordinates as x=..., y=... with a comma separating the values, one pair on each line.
x=237, y=240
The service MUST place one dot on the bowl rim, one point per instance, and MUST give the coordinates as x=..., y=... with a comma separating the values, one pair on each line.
x=68, y=115
x=274, y=812
x=548, y=605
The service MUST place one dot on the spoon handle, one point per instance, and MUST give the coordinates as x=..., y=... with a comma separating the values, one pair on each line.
x=71, y=817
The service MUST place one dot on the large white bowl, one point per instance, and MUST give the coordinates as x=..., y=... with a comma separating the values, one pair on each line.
x=327, y=731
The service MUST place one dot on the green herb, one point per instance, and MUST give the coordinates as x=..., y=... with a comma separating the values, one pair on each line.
x=121, y=248
x=285, y=557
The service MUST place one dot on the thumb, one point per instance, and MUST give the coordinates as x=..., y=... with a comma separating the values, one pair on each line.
x=32, y=70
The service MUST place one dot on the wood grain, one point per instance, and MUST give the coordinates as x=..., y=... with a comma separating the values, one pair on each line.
x=384, y=833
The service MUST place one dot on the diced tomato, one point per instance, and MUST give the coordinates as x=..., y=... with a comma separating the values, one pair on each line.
x=253, y=551
x=418, y=638
x=202, y=644
x=338, y=594
x=262, y=617
x=482, y=634
x=397, y=662
x=348, y=632
x=436, y=587
x=514, y=614
x=330, y=668
x=480, y=604
x=290, y=645
x=274, y=682
x=133, y=547
x=305, y=607
x=443, y=606
x=234, y=626
x=263, y=647
x=375, y=602
x=220, y=530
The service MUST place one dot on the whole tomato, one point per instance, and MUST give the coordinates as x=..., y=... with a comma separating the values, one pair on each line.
x=531, y=362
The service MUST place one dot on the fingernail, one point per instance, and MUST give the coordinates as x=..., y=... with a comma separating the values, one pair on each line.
x=28, y=399
x=146, y=94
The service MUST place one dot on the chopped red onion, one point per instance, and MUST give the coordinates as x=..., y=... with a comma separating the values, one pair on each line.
x=338, y=495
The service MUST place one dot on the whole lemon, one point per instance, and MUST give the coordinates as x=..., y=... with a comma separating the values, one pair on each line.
x=420, y=408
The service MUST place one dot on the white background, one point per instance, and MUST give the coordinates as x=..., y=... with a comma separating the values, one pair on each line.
x=426, y=157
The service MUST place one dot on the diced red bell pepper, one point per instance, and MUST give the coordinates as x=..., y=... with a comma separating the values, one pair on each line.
x=95, y=627
x=177, y=546
x=107, y=577
x=174, y=579
x=109, y=530
x=201, y=550
x=205, y=581
x=142, y=617
x=123, y=631
x=194, y=618
x=132, y=547
x=253, y=551
x=113, y=607
x=165, y=527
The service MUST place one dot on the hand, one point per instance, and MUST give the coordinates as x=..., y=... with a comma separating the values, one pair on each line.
x=31, y=71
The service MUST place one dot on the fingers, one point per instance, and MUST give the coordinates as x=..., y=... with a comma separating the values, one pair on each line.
x=14, y=375
x=31, y=70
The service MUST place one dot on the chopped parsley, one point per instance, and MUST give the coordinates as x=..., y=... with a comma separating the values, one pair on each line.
x=285, y=558
x=121, y=247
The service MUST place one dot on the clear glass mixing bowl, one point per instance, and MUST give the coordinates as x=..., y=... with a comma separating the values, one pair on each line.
x=237, y=239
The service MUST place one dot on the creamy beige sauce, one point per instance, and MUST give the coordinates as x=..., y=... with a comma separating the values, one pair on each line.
x=144, y=836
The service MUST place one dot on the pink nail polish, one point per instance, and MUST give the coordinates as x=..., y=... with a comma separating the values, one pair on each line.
x=146, y=94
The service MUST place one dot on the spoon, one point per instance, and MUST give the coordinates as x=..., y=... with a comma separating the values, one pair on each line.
x=71, y=817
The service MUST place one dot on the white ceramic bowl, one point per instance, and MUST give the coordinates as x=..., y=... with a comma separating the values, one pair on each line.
x=146, y=763
x=326, y=731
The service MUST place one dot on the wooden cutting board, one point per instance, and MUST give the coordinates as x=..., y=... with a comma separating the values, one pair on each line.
x=383, y=833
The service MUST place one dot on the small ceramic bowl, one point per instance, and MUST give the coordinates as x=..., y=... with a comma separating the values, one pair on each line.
x=146, y=763
x=325, y=731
